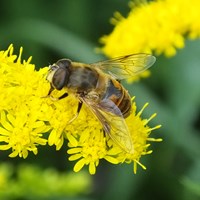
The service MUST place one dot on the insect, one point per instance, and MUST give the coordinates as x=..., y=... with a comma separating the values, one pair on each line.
x=98, y=86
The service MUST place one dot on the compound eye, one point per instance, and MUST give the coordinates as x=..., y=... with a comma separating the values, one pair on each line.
x=64, y=63
x=60, y=78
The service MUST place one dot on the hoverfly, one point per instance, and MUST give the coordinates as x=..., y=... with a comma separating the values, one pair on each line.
x=98, y=86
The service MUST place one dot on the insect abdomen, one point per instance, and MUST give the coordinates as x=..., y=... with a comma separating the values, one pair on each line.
x=116, y=93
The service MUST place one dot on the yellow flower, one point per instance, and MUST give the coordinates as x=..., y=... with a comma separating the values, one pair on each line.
x=21, y=125
x=27, y=119
x=91, y=146
x=157, y=26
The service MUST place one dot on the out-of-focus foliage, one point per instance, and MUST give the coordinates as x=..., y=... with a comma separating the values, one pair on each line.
x=50, y=30
x=32, y=182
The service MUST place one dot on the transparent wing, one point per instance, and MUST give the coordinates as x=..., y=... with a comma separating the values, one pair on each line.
x=126, y=66
x=113, y=122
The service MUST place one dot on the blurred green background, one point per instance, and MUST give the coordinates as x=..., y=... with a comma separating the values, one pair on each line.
x=50, y=30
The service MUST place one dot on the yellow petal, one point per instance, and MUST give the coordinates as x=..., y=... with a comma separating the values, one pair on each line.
x=79, y=165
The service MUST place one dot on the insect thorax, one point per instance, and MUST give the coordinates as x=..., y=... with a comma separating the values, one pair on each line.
x=82, y=79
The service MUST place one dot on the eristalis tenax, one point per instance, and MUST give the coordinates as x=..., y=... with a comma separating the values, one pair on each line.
x=98, y=86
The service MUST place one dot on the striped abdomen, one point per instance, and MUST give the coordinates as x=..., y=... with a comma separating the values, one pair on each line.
x=117, y=93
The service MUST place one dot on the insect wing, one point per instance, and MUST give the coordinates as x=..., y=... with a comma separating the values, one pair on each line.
x=113, y=122
x=125, y=67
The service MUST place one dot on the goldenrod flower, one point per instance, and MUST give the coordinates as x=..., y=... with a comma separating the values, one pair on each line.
x=21, y=114
x=27, y=119
x=157, y=26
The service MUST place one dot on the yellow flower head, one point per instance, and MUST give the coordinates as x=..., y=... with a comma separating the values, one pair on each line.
x=27, y=119
x=156, y=26
x=21, y=123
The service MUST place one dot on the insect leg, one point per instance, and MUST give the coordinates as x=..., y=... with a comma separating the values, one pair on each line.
x=104, y=134
x=77, y=112
x=50, y=91
x=63, y=96
x=55, y=99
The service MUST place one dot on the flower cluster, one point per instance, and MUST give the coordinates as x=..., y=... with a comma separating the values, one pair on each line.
x=28, y=120
x=21, y=109
x=157, y=26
